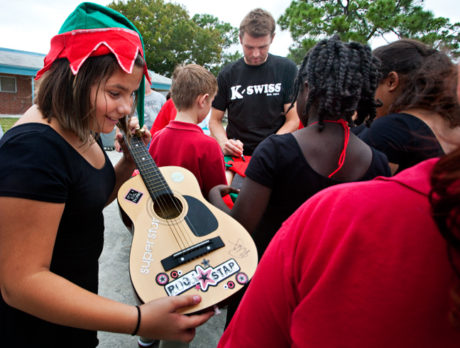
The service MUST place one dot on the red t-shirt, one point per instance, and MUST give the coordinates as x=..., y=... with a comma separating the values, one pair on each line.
x=167, y=113
x=357, y=265
x=185, y=145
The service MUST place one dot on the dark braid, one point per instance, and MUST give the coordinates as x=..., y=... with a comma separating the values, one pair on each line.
x=298, y=81
x=342, y=79
x=366, y=109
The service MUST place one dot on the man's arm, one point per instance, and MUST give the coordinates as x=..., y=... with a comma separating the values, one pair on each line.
x=232, y=147
x=292, y=120
x=216, y=128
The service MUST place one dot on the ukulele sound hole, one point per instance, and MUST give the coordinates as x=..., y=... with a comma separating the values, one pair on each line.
x=167, y=206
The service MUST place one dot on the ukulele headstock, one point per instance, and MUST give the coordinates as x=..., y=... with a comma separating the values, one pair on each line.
x=139, y=132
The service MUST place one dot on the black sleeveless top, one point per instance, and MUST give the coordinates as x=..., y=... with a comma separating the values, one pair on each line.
x=37, y=163
x=278, y=163
x=405, y=139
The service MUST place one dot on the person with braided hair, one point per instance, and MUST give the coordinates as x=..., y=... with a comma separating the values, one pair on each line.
x=362, y=264
x=419, y=104
x=336, y=79
x=345, y=277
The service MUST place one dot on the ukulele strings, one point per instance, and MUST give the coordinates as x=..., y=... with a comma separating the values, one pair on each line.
x=164, y=203
x=150, y=181
x=182, y=232
x=135, y=146
x=180, y=235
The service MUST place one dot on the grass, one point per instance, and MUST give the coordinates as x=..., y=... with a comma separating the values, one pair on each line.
x=7, y=122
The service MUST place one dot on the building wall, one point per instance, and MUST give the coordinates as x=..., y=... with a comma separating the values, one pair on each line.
x=17, y=103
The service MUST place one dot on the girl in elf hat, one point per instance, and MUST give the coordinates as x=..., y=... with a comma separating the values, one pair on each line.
x=55, y=180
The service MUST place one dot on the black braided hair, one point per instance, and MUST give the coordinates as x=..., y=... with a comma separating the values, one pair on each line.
x=342, y=79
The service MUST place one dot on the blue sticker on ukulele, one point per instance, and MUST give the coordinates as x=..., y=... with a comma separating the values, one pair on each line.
x=177, y=177
x=134, y=196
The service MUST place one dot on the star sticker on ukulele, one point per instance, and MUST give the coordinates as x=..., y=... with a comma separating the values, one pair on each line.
x=204, y=277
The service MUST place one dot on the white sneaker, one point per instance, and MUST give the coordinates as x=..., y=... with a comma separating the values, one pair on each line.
x=146, y=342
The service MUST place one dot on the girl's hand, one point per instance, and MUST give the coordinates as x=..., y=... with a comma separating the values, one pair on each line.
x=133, y=125
x=160, y=319
x=221, y=191
x=146, y=136
x=217, y=192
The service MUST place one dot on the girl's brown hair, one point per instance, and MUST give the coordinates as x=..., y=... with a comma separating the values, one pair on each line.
x=67, y=97
x=427, y=76
x=445, y=203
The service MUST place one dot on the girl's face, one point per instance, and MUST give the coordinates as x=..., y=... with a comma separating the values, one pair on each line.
x=382, y=94
x=113, y=100
x=386, y=92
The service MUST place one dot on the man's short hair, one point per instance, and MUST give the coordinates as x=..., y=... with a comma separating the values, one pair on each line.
x=190, y=81
x=258, y=23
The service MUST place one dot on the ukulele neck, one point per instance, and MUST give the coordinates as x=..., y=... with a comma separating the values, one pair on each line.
x=151, y=175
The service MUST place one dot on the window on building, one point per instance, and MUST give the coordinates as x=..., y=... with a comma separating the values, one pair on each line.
x=8, y=84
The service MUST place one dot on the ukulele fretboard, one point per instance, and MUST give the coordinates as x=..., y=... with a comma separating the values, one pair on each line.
x=151, y=175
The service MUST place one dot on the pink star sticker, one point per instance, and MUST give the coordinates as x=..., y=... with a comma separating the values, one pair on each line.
x=204, y=277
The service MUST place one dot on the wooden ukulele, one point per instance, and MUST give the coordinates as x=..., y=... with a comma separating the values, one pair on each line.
x=181, y=243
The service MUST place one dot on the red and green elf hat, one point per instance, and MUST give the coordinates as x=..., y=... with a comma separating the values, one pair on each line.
x=95, y=30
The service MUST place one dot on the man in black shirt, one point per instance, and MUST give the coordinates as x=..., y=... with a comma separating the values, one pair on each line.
x=254, y=90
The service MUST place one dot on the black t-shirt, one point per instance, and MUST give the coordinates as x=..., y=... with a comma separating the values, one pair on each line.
x=357, y=130
x=254, y=97
x=405, y=139
x=278, y=163
x=37, y=163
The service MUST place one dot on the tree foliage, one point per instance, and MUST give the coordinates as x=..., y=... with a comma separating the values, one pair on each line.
x=362, y=20
x=227, y=38
x=171, y=37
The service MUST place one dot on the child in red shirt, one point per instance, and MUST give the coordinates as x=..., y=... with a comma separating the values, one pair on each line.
x=182, y=142
x=167, y=113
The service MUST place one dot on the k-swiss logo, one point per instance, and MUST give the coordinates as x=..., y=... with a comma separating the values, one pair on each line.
x=235, y=93
x=269, y=89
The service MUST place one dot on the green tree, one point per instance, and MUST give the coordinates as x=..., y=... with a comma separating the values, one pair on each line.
x=171, y=37
x=227, y=37
x=362, y=20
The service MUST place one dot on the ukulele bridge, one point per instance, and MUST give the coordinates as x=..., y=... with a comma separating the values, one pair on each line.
x=193, y=252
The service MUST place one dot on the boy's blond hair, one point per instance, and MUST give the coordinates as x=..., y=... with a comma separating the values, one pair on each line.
x=190, y=81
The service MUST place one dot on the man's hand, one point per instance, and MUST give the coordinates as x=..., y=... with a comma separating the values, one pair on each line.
x=233, y=147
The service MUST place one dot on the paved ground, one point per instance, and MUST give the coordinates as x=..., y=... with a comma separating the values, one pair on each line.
x=115, y=282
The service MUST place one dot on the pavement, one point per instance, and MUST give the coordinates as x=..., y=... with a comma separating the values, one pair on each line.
x=114, y=281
